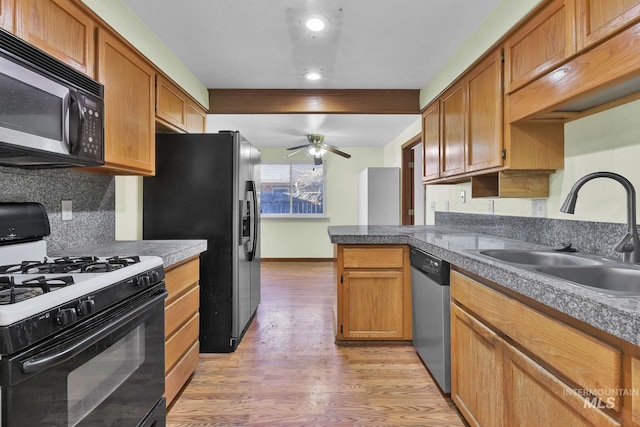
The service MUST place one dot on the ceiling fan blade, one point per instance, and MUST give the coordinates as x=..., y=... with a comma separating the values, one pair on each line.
x=298, y=147
x=317, y=160
x=291, y=154
x=336, y=151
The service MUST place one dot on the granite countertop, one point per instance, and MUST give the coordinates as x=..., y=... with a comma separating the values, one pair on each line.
x=171, y=251
x=617, y=315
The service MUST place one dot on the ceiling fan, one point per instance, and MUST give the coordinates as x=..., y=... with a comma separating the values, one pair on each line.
x=316, y=147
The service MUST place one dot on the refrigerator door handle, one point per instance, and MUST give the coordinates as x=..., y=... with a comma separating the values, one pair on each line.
x=253, y=239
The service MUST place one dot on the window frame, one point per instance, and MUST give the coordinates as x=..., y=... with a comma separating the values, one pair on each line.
x=290, y=215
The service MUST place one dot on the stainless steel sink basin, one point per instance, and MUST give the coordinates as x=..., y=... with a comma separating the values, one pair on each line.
x=532, y=257
x=605, y=279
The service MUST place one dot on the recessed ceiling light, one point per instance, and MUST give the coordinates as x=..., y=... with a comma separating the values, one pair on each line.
x=315, y=23
x=313, y=75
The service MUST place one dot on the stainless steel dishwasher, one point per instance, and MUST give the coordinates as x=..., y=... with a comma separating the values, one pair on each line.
x=430, y=307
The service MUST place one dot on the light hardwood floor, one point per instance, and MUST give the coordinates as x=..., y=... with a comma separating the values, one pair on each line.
x=287, y=370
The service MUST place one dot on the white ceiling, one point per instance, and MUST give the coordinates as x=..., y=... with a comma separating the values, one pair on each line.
x=261, y=44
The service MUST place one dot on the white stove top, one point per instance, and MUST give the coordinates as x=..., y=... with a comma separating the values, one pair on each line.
x=85, y=284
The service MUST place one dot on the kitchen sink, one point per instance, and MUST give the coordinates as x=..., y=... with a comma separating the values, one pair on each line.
x=532, y=257
x=601, y=278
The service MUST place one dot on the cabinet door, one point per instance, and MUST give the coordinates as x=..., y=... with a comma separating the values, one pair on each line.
x=6, y=14
x=535, y=397
x=452, y=109
x=373, y=304
x=129, y=108
x=170, y=103
x=196, y=118
x=485, y=112
x=431, y=142
x=476, y=370
x=543, y=42
x=599, y=19
x=61, y=29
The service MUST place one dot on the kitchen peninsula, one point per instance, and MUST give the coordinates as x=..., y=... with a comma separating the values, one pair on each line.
x=521, y=336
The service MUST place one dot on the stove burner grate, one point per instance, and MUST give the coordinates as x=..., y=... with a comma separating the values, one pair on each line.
x=70, y=264
x=11, y=292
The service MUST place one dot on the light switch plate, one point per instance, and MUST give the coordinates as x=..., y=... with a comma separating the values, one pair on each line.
x=463, y=197
x=490, y=207
x=67, y=210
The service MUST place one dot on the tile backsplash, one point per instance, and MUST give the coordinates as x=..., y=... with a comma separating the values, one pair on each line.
x=92, y=197
x=590, y=237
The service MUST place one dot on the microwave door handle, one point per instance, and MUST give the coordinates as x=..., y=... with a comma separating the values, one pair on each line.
x=57, y=356
x=76, y=121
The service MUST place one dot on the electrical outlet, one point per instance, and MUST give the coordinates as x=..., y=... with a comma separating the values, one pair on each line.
x=463, y=197
x=539, y=208
x=433, y=206
x=490, y=207
x=445, y=208
x=67, y=210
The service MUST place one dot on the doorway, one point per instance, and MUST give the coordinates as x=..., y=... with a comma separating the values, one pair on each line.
x=412, y=188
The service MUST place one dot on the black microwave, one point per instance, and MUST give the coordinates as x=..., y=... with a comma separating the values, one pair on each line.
x=51, y=115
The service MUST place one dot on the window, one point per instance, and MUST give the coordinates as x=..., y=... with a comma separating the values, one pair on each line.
x=292, y=190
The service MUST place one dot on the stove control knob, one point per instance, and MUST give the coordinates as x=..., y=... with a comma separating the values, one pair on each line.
x=66, y=316
x=155, y=277
x=85, y=307
x=143, y=281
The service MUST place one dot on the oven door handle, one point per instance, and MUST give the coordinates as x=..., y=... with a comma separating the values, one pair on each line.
x=56, y=356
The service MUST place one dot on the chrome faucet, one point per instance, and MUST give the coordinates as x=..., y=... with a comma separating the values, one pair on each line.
x=629, y=246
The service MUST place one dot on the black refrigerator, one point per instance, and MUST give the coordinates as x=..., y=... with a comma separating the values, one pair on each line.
x=207, y=186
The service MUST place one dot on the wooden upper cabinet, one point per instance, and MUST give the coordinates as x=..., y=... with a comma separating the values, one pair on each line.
x=431, y=142
x=540, y=44
x=175, y=111
x=170, y=103
x=485, y=113
x=196, y=118
x=453, y=110
x=129, y=86
x=6, y=14
x=60, y=28
x=599, y=19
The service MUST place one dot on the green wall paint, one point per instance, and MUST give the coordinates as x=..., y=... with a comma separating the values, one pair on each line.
x=122, y=19
x=503, y=17
x=308, y=238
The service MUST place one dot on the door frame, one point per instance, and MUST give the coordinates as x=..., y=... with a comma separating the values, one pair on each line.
x=408, y=202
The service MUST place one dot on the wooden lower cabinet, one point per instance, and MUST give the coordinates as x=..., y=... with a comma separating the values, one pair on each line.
x=474, y=348
x=373, y=292
x=181, y=325
x=513, y=365
x=536, y=397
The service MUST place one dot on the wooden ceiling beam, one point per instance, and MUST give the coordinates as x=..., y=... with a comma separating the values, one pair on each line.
x=304, y=101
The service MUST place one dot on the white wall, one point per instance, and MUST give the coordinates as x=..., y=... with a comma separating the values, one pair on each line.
x=308, y=238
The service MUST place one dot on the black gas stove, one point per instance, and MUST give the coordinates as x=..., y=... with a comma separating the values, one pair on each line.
x=61, y=315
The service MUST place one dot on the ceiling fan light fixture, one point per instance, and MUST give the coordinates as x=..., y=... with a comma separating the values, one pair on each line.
x=317, y=152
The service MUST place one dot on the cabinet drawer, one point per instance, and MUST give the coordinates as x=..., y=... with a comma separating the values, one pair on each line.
x=569, y=351
x=178, y=376
x=180, y=310
x=364, y=257
x=183, y=339
x=180, y=278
